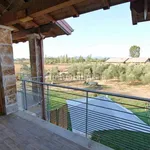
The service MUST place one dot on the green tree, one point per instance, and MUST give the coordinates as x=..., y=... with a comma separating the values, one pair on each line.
x=134, y=51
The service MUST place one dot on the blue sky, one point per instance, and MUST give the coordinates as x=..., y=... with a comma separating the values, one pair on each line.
x=108, y=33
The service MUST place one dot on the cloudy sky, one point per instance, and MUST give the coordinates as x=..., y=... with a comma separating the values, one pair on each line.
x=108, y=33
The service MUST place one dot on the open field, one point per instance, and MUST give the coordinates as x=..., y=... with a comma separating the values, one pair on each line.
x=61, y=67
x=115, y=87
x=117, y=139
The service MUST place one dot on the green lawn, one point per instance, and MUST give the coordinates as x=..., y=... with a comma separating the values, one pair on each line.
x=139, y=108
x=58, y=98
x=123, y=140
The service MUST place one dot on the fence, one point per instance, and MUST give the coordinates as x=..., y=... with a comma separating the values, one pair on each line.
x=118, y=121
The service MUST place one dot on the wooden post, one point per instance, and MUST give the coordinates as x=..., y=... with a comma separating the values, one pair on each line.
x=37, y=66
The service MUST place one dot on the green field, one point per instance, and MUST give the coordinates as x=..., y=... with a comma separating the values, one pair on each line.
x=123, y=140
x=58, y=99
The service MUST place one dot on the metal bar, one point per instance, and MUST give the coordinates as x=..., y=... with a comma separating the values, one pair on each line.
x=25, y=95
x=86, y=125
x=93, y=91
x=48, y=103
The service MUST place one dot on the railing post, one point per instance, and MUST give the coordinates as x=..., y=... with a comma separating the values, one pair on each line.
x=48, y=103
x=86, y=125
x=25, y=95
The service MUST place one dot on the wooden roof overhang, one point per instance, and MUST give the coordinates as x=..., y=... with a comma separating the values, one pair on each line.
x=43, y=24
x=38, y=15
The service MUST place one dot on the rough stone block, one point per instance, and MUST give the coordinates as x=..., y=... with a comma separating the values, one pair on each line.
x=10, y=90
x=7, y=60
x=10, y=99
x=5, y=36
x=9, y=80
x=6, y=50
x=8, y=70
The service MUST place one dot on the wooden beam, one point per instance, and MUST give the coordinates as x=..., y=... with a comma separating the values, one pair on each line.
x=23, y=33
x=74, y=11
x=36, y=8
x=55, y=7
x=134, y=17
x=50, y=18
x=145, y=9
x=4, y=3
x=11, y=18
x=106, y=4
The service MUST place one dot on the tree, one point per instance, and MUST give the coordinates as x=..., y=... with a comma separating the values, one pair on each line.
x=135, y=51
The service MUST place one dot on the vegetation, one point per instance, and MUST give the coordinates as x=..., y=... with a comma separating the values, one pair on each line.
x=130, y=73
x=135, y=51
x=123, y=139
x=66, y=59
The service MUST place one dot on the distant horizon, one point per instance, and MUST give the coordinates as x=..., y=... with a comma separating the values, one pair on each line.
x=98, y=57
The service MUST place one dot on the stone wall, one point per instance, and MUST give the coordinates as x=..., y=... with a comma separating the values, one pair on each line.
x=7, y=73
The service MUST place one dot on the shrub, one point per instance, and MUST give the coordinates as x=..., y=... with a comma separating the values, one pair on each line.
x=145, y=78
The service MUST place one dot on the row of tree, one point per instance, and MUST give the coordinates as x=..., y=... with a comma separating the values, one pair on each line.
x=101, y=71
x=66, y=59
x=134, y=51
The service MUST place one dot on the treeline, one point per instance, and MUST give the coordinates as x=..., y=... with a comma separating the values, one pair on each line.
x=66, y=59
x=130, y=73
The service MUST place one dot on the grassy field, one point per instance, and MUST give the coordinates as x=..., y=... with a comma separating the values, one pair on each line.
x=123, y=140
x=58, y=98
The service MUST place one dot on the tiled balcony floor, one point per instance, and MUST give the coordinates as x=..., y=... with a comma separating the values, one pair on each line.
x=17, y=133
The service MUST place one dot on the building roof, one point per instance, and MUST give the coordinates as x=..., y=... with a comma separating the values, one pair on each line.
x=117, y=60
x=24, y=15
x=137, y=60
x=103, y=114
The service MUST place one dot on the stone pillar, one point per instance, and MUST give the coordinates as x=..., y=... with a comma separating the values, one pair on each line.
x=8, y=102
x=37, y=66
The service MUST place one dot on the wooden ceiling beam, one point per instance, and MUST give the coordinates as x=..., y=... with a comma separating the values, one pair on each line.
x=4, y=3
x=74, y=11
x=23, y=33
x=36, y=8
x=50, y=18
x=145, y=9
x=134, y=17
x=106, y=4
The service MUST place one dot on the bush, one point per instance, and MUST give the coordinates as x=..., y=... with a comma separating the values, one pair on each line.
x=130, y=77
x=145, y=78
x=122, y=77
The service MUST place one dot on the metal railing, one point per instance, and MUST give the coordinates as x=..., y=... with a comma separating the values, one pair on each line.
x=118, y=121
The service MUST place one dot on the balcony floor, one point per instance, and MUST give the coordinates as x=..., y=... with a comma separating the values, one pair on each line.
x=17, y=133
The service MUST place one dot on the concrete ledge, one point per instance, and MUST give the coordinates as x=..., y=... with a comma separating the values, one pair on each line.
x=11, y=108
x=79, y=140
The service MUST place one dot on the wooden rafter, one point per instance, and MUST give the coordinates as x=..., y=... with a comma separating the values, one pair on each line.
x=23, y=32
x=145, y=9
x=50, y=18
x=106, y=4
x=36, y=9
x=134, y=17
x=74, y=11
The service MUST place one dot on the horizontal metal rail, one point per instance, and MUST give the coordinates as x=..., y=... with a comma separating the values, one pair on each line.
x=91, y=91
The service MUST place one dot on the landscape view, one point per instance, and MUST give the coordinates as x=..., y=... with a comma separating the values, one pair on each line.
x=74, y=75
x=128, y=76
